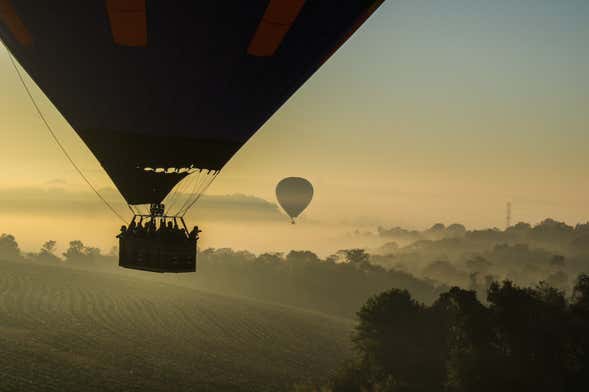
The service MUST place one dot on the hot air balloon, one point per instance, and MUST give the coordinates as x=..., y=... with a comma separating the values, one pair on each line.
x=294, y=195
x=168, y=91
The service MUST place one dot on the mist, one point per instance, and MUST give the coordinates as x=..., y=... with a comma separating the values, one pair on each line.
x=445, y=246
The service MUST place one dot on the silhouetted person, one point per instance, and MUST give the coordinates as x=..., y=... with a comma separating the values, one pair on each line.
x=132, y=226
x=139, y=226
x=150, y=226
x=161, y=231
x=123, y=231
x=194, y=233
x=141, y=229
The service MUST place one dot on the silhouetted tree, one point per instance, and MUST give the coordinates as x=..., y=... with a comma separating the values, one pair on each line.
x=357, y=257
x=478, y=264
x=468, y=336
x=580, y=338
x=398, y=346
x=444, y=271
x=303, y=279
x=526, y=339
x=47, y=253
x=351, y=377
x=302, y=257
x=581, y=243
x=9, y=249
x=530, y=338
x=388, y=248
x=456, y=230
x=78, y=252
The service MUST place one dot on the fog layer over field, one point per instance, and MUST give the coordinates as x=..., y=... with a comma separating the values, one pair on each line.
x=68, y=330
x=236, y=221
x=246, y=320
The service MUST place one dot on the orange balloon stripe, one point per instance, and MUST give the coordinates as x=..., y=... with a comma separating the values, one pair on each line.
x=14, y=23
x=128, y=22
x=276, y=22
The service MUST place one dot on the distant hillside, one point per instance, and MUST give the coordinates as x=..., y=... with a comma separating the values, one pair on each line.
x=62, y=202
x=68, y=330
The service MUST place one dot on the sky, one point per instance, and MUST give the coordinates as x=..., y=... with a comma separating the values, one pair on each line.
x=432, y=112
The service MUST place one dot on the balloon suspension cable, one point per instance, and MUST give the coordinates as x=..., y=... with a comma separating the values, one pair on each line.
x=56, y=139
x=180, y=190
x=196, y=182
x=173, y=198
x=204, y=186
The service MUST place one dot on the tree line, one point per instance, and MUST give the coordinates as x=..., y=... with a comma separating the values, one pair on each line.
x=550, y=234
x=338, y=284
x=412, y=334
x=521, y=339
x=551, y=251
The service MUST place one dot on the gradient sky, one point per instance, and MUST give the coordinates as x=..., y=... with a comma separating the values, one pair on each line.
x=433, y=111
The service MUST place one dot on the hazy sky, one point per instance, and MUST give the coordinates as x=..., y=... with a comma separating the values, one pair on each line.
x=433, y=111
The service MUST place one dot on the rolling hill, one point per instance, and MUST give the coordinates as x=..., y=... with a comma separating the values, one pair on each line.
x=71, y=330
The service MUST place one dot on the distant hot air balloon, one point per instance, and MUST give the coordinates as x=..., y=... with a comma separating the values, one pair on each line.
x=294, y=195
x=161, y=90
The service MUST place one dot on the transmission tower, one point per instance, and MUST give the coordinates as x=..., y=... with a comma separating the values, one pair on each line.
x=508, y=215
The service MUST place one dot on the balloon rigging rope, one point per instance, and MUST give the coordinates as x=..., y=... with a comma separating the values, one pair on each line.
x=170, y=200
x=191, y=180
x=173, y=198
x=56, y=139
x=195, y=189
x=202, y=185
x=203, y=190
x=188, y=191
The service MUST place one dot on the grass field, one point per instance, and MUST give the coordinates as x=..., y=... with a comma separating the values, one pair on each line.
x=70, y=330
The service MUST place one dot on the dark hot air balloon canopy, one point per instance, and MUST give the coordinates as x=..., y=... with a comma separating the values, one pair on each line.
x=161, y=89
x=294, y=194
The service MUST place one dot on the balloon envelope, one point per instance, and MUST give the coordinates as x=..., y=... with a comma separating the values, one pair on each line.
x=294, y=195
x=155, y=88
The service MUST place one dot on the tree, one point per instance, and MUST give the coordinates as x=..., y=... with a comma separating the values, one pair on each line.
x=9, y=249
x=531, y=329
x=581, y=243
x=351, y=377
x=357, y=257
x=396, y=342
x=580, y=297
x=48, y=247
x=75, y=251
x=302, y=257
x=525, y=339
x=580, y=339
x=444, y=271
x=479, y=264
x=456, y=230
x=389, y=248
x=47, y=252
x=468, y=336
x=270, y=258
x=437, y=227
x=78, y=252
